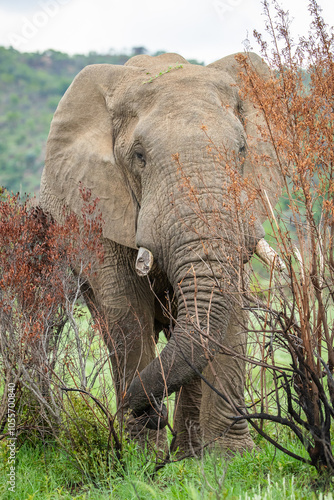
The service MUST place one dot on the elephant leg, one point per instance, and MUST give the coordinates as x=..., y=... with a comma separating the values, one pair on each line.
x=227, y=374
x=125, y=303
x=187, y=418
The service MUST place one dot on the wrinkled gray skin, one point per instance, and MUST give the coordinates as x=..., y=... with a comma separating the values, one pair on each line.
x=116, y=135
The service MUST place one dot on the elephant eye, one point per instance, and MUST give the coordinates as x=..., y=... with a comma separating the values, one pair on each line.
x=242, y=150
x=140, y=157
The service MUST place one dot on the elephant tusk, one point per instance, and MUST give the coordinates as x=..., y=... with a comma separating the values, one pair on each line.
x=144, y=261
x=268, y=255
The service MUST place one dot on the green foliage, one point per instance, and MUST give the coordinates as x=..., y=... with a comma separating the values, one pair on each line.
x=46, y=472
x=90, y=446
x=86, y=433
x=163, y=72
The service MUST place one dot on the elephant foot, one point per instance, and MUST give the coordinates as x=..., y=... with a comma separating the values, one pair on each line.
x=191, y=442
x=152, y=441
x=231, y=444
x=188, y=441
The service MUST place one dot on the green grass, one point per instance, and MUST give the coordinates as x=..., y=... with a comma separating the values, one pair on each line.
x=48, y=473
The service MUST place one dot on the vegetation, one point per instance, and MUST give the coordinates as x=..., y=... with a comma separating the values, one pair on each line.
x=47, y=473
x=295, y=315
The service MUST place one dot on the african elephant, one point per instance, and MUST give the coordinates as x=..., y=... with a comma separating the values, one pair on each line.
x=116, y=131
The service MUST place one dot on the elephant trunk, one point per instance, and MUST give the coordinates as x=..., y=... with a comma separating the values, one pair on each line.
x=203, y=315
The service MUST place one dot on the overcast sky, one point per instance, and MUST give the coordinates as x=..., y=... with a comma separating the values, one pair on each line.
x=201, y=29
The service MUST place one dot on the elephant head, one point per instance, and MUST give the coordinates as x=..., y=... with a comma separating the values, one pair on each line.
x=116, y=131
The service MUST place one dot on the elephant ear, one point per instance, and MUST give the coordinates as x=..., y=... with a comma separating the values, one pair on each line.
x=267, y=178
x=80, y=152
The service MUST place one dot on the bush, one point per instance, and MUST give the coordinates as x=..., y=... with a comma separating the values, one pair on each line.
x=292, y=313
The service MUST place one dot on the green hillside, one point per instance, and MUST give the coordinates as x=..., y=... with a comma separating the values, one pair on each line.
x=31, y=85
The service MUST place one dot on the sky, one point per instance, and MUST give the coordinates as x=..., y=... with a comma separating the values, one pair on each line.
x=201, y=29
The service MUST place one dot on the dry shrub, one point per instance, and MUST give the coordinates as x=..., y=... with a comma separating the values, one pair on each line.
x=46, y=340
x=291, y=313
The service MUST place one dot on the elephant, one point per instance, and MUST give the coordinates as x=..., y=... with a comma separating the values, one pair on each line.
x=133, y=135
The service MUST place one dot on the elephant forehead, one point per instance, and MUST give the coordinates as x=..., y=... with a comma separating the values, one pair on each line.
x=189, y=85
x=180, y=117
x=182, y=122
